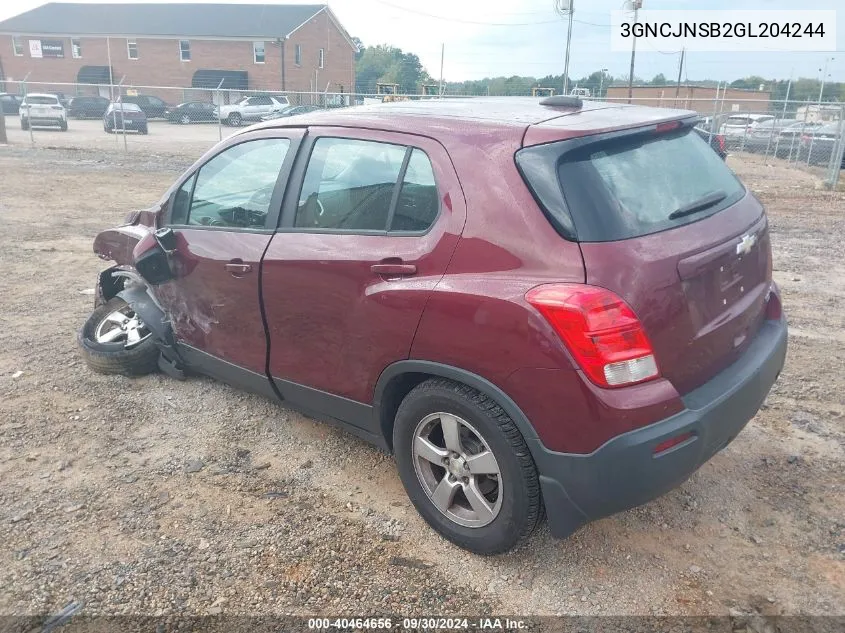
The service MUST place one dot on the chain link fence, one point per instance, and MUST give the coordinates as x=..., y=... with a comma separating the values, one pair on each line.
x=802, y=134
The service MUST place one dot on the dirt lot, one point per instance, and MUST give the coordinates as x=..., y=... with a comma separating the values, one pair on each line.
x=155, y=496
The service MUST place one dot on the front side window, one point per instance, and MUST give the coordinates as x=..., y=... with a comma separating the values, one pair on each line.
x=132, y=49
x=185, y=50
x=321, y=59
x=17, y=46
x=297, y=55
x=234, y=188
x=76, y=48
x=349, y=185
x=258, y=52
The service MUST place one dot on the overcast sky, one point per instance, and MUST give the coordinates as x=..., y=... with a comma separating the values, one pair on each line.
x=495, y=37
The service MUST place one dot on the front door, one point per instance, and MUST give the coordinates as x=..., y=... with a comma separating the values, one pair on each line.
x=359, y=251
x=223, y=215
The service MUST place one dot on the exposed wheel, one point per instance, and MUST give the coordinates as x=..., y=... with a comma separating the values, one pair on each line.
x=184, y=119
x=115, y=341
x=24, y=124
x=234, y=119
x=466, y=467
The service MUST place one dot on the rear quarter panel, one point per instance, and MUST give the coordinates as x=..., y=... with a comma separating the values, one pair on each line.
x=477, y=318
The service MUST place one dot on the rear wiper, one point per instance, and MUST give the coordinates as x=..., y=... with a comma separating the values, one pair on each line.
x=705, y=202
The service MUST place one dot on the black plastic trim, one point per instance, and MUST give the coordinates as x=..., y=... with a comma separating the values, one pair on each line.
x=625, y=472
x=457, y=374
x=227, y=372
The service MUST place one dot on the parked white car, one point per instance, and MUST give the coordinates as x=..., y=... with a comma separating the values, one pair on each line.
x=252, y=108
x=744, y=124
x=42, y=109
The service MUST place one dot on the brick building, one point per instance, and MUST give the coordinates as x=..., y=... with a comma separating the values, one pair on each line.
x=702, y=99
x=247, y=46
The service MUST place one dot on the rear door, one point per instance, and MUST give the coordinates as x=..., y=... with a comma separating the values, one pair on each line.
x=223, y=214
x=698, y=279
x=369, y=226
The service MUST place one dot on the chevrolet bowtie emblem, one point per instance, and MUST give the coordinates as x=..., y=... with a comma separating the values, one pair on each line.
x=746, y=244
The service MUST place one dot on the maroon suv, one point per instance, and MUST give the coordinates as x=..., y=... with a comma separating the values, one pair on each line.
x=533, y=305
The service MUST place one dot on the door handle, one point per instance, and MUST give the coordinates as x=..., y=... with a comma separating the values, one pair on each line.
x=238, y=268
x=394, y=270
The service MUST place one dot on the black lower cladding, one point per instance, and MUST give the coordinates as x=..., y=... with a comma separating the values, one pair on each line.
x=625, y=471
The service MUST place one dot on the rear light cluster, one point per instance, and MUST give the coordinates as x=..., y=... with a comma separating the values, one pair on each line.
x=774, y=308
x=720, y=138
x=600, y=330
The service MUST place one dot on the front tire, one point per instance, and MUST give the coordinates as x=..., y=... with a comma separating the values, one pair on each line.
x=24, y=124
x=114, y=340
x=466, y=467
x=234, y=119
x=184, y=119
x=63, y=126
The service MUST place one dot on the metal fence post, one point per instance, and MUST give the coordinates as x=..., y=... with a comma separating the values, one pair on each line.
x=837, y=154
x=219, y=122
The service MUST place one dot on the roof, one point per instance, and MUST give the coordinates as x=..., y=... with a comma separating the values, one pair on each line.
x=441, y=118
x=268, y=21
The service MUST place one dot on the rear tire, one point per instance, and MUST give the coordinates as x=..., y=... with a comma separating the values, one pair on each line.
x=120, y=356
x=63, y=126
x=184, y=119
x=144, y=130
x=24, y=124
x=511, y=506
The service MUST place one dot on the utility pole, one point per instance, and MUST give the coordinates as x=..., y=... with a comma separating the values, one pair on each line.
x=824, y=76
x=442, y=55
x=636, y=5
x=601, y=82
x=680, y=70
x=566, y=7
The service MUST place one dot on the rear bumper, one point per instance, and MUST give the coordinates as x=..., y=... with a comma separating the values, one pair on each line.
x=624, y=472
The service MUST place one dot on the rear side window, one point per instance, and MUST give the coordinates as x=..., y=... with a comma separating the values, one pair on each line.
x=418, y=205
x=349, y=185
x=620, y=188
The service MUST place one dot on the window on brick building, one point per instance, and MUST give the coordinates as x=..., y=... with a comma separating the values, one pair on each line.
x=321, y=60
x=17, y=46
x=258, y=52
x=298, y=55
x=76, y=48
x=185, y=50
x=132, y=49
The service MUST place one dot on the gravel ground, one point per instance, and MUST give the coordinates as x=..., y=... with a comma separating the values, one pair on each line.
x=152, y=496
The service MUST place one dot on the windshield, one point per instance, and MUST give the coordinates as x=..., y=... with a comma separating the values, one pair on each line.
x=126, y=107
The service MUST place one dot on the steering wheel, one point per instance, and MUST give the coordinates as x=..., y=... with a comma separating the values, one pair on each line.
x=261, y=198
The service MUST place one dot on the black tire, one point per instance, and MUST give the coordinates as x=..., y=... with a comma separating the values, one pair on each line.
x=144, y=130
x=234, y=119
x=115, y=358
x=521, y=504
x=184, y=119
x=63, y=126
x=24, y=124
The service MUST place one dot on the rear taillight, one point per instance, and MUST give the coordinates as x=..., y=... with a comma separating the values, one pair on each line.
x=774, y=308
x=720, y=138
x=600, y=330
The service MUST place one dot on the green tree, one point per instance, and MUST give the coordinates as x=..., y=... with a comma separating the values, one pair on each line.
x=388, y=64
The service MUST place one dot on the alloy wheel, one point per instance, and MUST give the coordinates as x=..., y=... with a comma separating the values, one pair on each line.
x=122, y=326
x=457, y=470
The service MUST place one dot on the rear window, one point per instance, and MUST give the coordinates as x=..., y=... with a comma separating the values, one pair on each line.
x=625, y=187
x=42, y=100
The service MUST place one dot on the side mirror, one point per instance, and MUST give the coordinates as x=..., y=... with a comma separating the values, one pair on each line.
x=152, y=256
